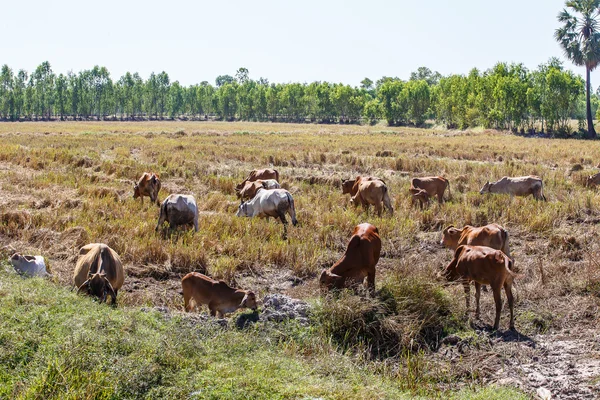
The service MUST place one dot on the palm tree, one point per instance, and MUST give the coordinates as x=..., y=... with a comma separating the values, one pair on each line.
x=580, y=39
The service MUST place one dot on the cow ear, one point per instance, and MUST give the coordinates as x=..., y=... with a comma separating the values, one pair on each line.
x=334, y=276
x=244, y=300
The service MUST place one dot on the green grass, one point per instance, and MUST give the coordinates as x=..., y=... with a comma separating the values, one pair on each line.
x=57, y=345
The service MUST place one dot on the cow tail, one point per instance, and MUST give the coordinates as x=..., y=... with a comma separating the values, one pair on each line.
x=163, y=211
x=276, y=175
x=542, y=192
x=448, y=186
x=292, y=208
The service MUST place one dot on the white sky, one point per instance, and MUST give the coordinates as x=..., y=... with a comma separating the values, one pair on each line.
x=283, y=41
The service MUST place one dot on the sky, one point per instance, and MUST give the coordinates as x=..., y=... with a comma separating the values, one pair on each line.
x=283, y=41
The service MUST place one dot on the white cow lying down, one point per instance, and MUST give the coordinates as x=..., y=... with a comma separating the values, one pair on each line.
x=29, y=265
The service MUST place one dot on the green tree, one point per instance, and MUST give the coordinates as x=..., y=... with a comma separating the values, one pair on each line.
x=580, y=39
x=6, y=92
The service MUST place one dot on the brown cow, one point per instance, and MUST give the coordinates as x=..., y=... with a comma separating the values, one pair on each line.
x=362, y=254
x=484, y=266
x=492, y=235
x=148, y=185
x=419, y=196
x=593, y=180
x=367, y=191
x=350, y=186
x=220, y=298
x=433, y=185
x=267, y=173
x=250, y=188
x=99, y=271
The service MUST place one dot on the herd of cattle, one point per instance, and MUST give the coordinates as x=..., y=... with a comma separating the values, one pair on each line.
x=481, y=254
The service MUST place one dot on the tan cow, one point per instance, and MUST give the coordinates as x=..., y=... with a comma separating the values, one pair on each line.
x=99, y=271
x=148, y=185
x=518, y=186
x=593, y=180
x=368, y=191
x=220, y=298
x=250, y=188
x=419, y=196
x=492, y=235
x=433, y=185
x=484, y=266
x=267, y=173
x=357, y=263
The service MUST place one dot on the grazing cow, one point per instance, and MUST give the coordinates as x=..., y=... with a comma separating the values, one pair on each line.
x=359, y=261
x=99, y=271
x=375, y=193
x=148, y=185
x=350, y=186
x=270, y=203
x=484, y=266
x=250, y=188
x=220, y=298
x=178, y=209
x=433, y=185
x=419, y=196
x=518, y=186
x=267, y=173
x=593, y=180
x=29, y=265
x=492, y=235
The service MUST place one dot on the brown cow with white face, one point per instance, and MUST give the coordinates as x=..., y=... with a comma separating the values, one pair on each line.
x=267, y=173
x=492, y=235
x=217, y=295
x=148, y=185
x=358, y=263
x=99, y=271
x=433, y=185
x=484, y=266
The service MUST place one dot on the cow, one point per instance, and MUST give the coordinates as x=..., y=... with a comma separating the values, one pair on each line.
x=29, y=265
x=220, y=298
x=350, y=186
x=419, y=196
x=99, y=272
x=267, y=173
x=593, y=180
x=357, y=263
x=178, y=209
x=518, y=186
x=433, y=185
x=492, y=235
x=484, y=266
x=270, y=203
x=148, y=185
x=250, y=188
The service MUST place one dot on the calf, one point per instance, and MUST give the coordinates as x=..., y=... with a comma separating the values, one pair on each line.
x=518, y=186
x=267, y=173
x=148, y=185
x=483, y=265
x=177, y=210
x=419, y=196
x=433, y=185
x=99, y=271
x=358, y=262
x=220, y=298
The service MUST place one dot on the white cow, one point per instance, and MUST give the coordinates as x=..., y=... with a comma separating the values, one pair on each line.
x=29, y=265
x=178, y=209
x=517, y=186
x=270, y=203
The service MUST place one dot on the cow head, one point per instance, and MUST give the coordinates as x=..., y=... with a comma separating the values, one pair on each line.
x=249, y=301
x=450, y=237
x=97, y=285
x=421, y=196
x=329, y=280
x=347, y=185
x=136, y=191
x=486, y=188
x=242, y=210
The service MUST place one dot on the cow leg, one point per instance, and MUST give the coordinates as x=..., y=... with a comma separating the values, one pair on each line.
x=511, y=300
x=220, y=314
x=477, y=295
x=284, y=222
x=498, y=301
x=467, y=288
x=113, y=296
x=440, y=197
x=371, y=282
x=186, y=301
x=378, y=209
x=213, y=312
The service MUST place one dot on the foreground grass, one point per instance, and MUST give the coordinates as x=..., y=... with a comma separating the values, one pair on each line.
x=55, y=344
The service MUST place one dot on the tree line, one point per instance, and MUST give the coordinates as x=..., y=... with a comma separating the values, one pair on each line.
x=507, y=96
